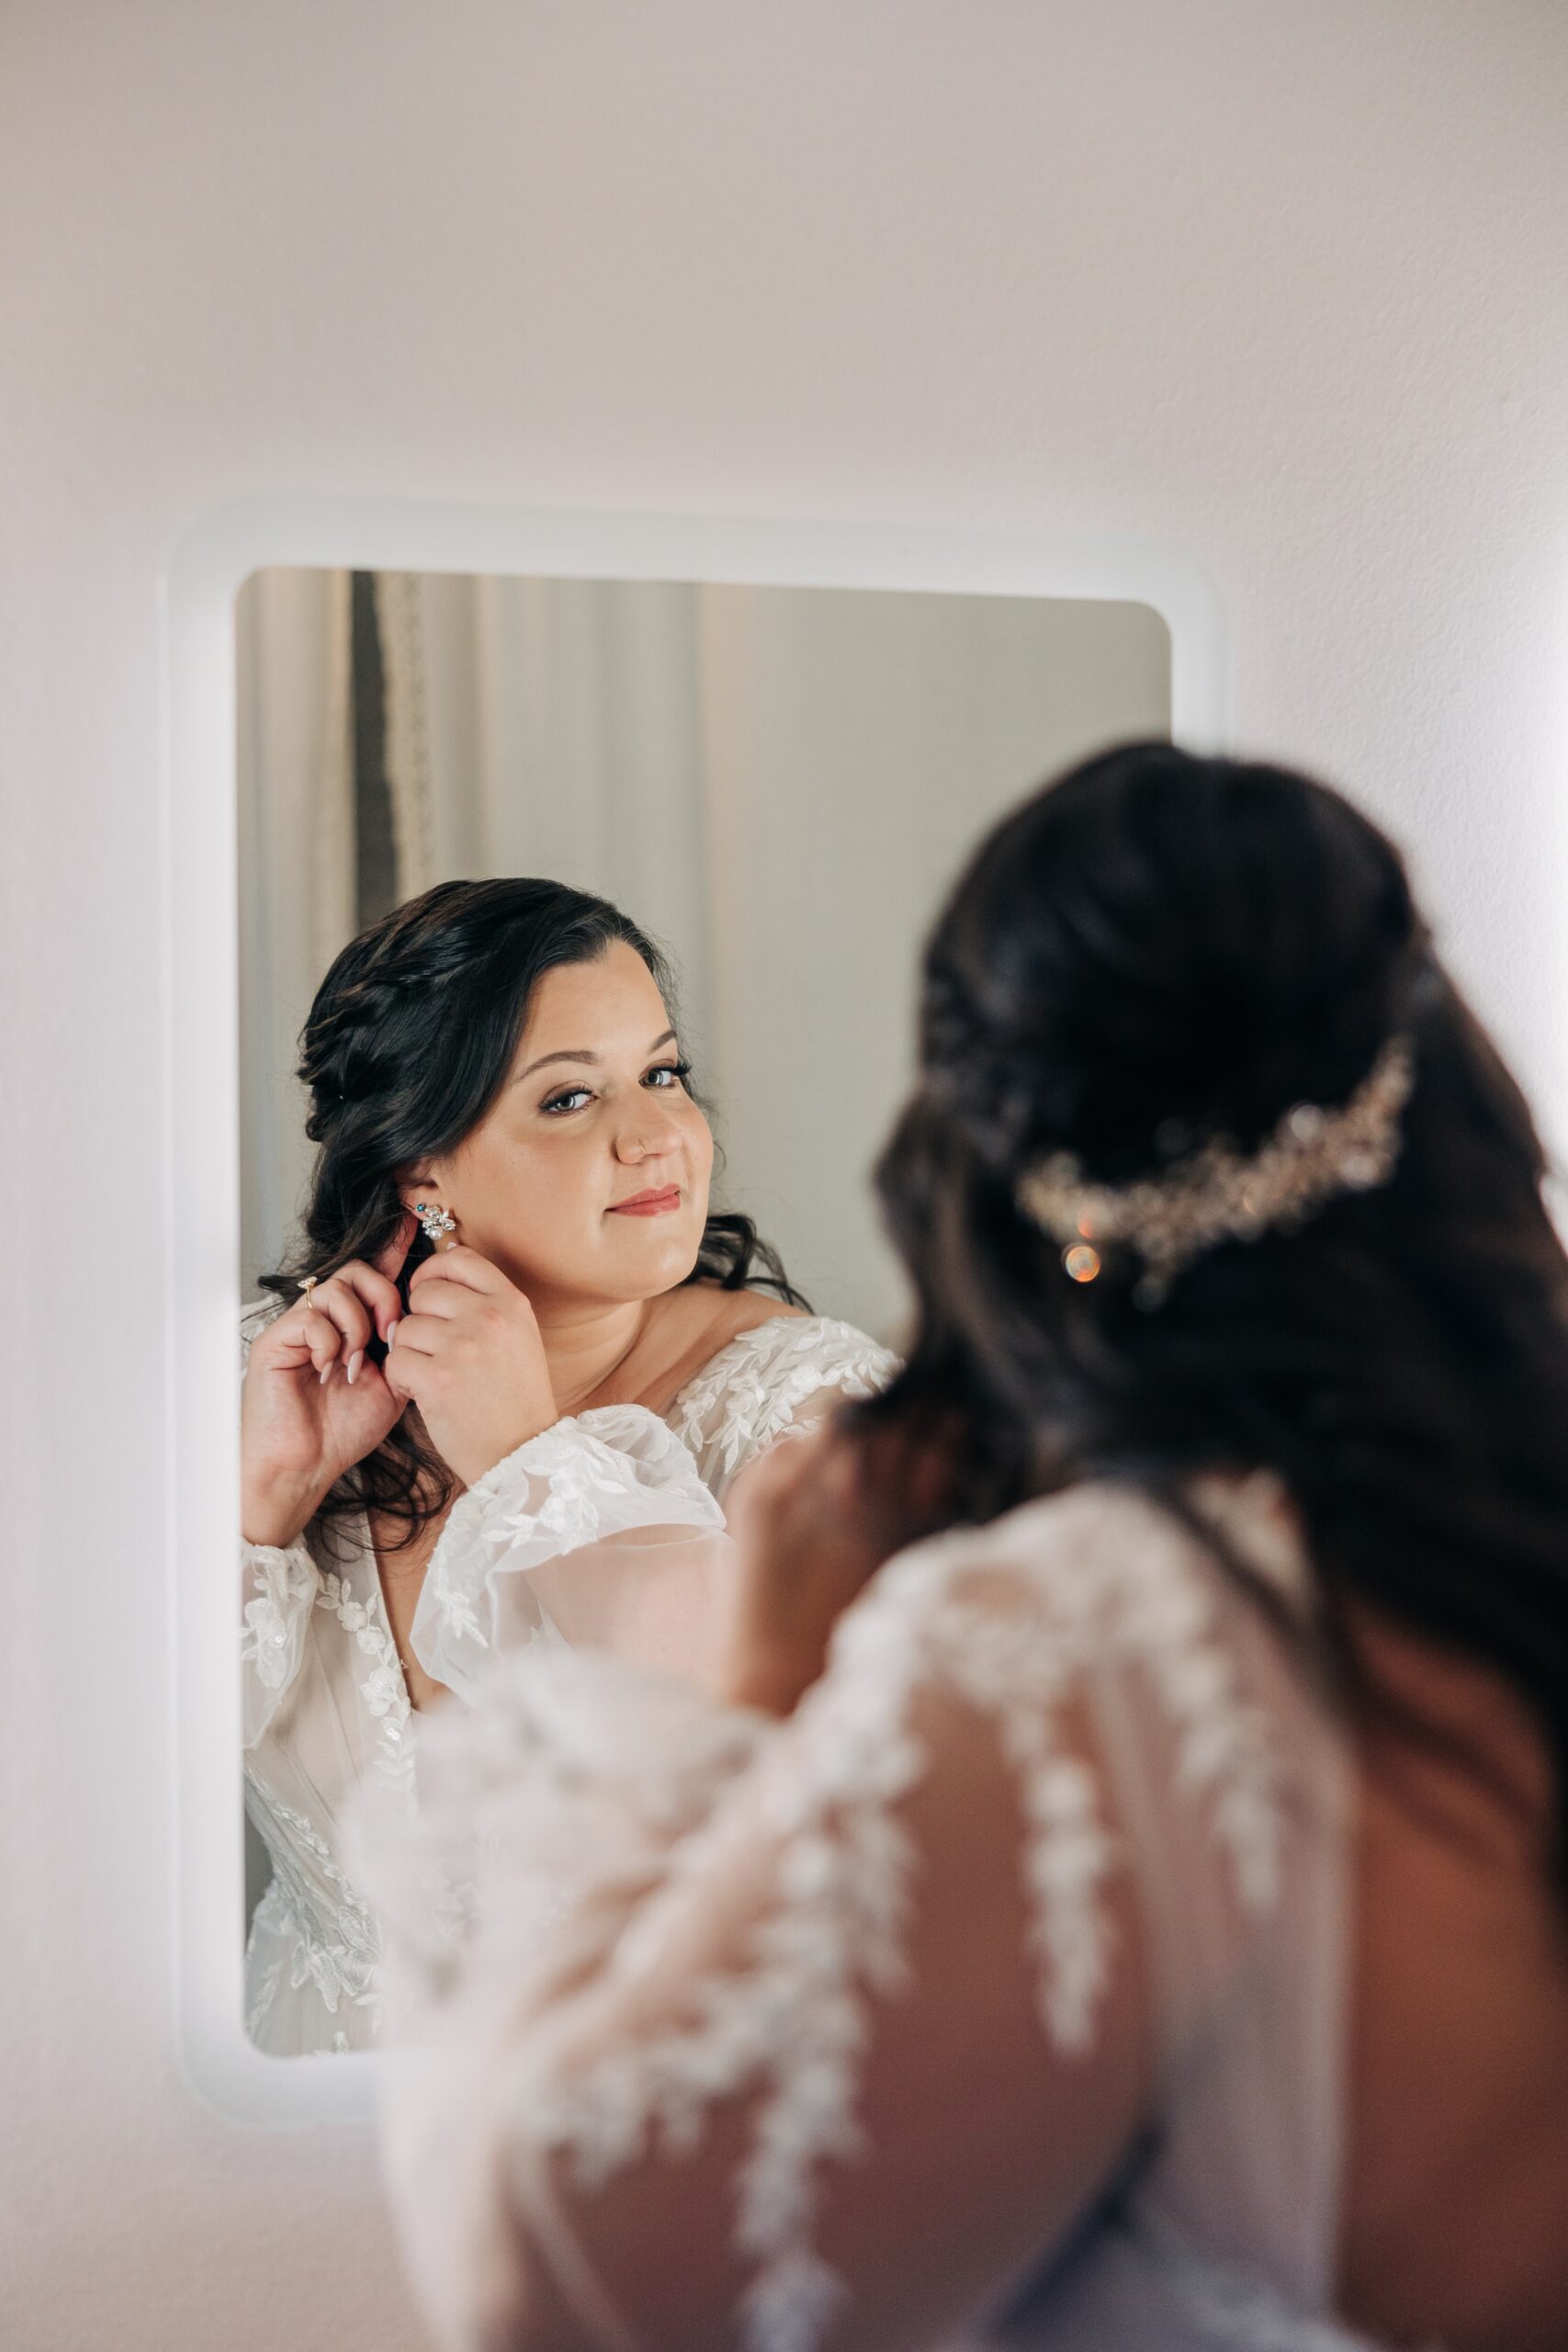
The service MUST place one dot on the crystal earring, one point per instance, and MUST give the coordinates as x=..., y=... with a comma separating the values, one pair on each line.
x=435, y=1220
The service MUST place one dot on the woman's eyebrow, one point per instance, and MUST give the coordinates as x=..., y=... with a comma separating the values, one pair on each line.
x=582, y=1054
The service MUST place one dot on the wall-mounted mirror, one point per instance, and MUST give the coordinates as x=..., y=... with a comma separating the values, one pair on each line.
x=774, y=774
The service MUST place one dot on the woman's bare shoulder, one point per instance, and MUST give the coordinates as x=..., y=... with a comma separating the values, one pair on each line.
x=719, y=1318
x=735, y=1312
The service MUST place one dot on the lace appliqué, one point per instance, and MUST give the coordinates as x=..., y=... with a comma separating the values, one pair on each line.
x=383, y=1689
x=335, y=1944
x=272, y=1914
x=595, y=1473
x=284, y=1582
x=1014, y=1637
x=581, y=1474
x=745, y=1400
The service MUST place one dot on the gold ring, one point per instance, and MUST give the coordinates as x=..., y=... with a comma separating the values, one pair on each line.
x=307, y=1287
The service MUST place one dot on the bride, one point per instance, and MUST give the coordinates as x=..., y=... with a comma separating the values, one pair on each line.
x=517, y=1367
x=1137, y=1913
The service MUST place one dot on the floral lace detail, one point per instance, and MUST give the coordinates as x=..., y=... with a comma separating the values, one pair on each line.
x=581, y=1475
x=284, y=1582
x=543, y=1793
x=746, y=1397
x=384, y=1689
x=336, y=1950
x=272, y=1914
x=613, y=1469
x=1138, y=1603
x=1014, y=1636
x=607, y=1472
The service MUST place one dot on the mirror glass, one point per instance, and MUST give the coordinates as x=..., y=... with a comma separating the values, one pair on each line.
x=777, y=784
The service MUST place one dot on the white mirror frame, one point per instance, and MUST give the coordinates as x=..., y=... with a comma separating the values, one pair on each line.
x=201, y=974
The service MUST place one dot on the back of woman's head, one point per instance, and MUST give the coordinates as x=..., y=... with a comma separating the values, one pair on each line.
x=1158, y=951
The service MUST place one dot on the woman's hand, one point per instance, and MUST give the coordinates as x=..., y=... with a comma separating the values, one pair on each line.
x=810, y=1534
x=469, y=1355
x=303, y=1420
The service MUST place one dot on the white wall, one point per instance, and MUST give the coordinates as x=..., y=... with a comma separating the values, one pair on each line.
x=1283, y=283
x=855, y=747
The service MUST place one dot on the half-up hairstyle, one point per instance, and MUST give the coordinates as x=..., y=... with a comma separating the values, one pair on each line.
x=411, y=1038
x=1158, y=950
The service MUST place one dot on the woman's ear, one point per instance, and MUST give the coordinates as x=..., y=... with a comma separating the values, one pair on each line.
x=425, y=1185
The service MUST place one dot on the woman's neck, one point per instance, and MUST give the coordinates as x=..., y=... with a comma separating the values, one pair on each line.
x=586, y=1345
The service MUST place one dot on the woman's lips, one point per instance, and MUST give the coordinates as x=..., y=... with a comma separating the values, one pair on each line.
x=649, y=1204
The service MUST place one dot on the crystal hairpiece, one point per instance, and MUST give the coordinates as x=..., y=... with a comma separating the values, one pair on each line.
x=1216, y=1195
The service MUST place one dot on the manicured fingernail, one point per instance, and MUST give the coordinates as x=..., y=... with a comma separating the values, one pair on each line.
x=325, y=1370
x=392, y=1329
x=355, y=1360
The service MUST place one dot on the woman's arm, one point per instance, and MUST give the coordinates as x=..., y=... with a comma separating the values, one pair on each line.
x=599, y=1529
x=608, y=1528
x=303, y=1422
x=808, y=2034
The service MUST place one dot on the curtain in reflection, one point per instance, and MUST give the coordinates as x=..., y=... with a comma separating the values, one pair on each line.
x=551, y=727
x=296, y=880
x=401, y=730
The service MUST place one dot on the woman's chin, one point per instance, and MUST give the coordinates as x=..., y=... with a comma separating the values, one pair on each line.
x=648, y=1261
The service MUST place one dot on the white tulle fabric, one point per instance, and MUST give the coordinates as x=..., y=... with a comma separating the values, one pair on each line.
x=617, y=1480
x=994, y=1996
x=606, y=1530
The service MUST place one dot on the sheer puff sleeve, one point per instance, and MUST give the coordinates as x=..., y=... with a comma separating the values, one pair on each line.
x=278, y=1592
x=607, y=1530
x=777, y=2036
x=599, y=1531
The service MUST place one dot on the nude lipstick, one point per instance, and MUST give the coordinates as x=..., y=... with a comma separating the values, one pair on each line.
x=658, y=1203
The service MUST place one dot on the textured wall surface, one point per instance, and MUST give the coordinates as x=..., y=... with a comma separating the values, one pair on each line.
x=1284, y=285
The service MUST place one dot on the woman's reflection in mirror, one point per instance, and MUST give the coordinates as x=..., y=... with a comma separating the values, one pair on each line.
x=530, y=1362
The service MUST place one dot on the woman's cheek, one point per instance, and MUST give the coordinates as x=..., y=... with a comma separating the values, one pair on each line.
x=555, y=1205
x=701, y=1148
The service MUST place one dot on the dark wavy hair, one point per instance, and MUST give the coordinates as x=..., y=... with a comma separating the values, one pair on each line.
x=410, y=1040
x=1159, y=948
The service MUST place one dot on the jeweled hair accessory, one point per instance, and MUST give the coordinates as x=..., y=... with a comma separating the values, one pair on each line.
x=1216, y=1195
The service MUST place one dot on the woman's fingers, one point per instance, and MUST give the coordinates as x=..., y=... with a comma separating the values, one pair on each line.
x=419, y=1334
x=462, y=1267
x=417, y=1346
x=376, y=1293
x=339, y=1318
x=303, y=1336
x=333, y=1327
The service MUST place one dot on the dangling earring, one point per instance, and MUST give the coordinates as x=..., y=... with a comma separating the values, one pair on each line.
x=435, y=1221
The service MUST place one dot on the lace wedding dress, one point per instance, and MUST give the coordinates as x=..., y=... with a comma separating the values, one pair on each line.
x=607, y=1527
x=996, y=1996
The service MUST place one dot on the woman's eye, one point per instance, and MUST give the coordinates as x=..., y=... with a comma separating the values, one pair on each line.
x=572, y=1098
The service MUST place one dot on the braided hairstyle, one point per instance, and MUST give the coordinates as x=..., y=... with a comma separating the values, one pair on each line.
x=410, y=1039
x=1157, y=949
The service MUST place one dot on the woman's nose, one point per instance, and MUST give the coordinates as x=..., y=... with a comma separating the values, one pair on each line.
x=646, y=1134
